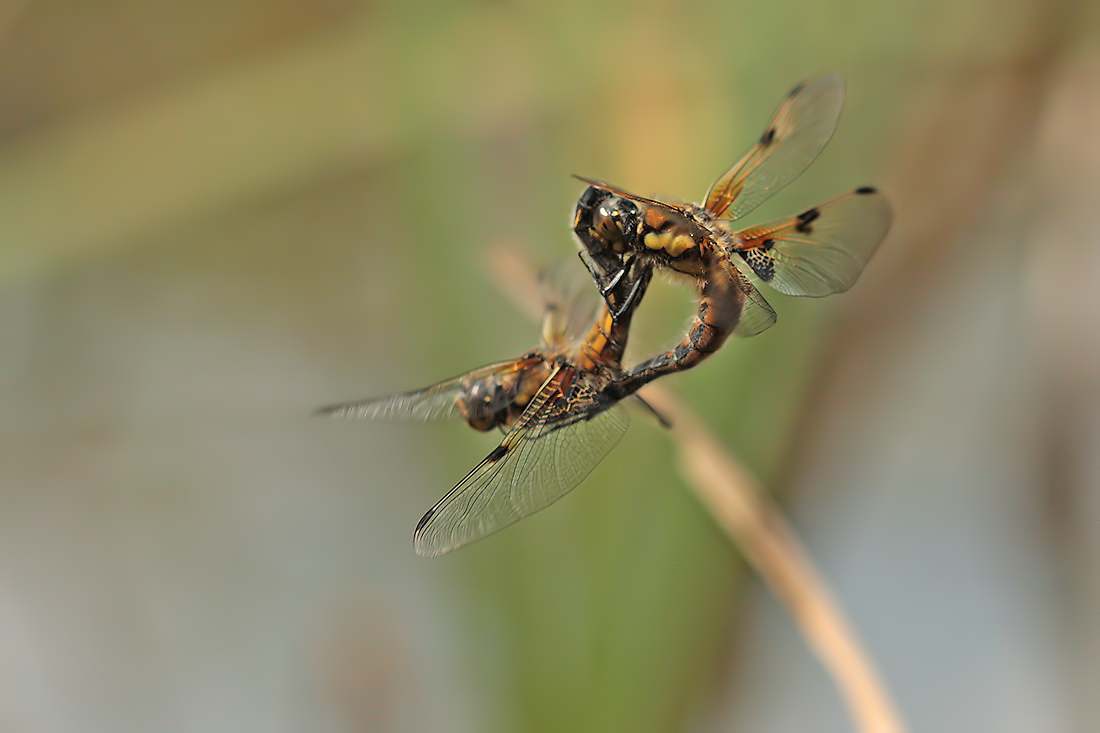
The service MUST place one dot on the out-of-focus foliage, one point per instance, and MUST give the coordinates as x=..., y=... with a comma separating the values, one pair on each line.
x=215, y=216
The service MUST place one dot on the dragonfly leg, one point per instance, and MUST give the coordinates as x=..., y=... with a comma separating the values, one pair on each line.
x=661, y=419
x=604, y=282
x=608, y=284
x=631, y=298
x=613, y=282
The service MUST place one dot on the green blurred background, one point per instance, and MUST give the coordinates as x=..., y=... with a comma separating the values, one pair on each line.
x=216, y=216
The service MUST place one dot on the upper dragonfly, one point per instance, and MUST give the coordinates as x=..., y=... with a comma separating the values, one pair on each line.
x=554, y=405
x=817, y=252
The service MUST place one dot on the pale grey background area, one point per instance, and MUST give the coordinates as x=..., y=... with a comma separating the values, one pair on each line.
x=213, y=220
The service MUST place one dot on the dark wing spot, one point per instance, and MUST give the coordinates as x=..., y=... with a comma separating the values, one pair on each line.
x=804, y=220
x=797, y=89
x=497, y=453
x=864, y=190
x=768, y=136
x=760, y=261
x=809, y=215
x=424, y=520
x=766, y=245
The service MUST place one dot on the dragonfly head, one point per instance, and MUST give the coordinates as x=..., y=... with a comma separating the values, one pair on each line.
x=604, y=221
x=485, y=402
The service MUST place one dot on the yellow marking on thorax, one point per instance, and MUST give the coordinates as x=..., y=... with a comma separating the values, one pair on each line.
x=672, y=242
x=669, y=232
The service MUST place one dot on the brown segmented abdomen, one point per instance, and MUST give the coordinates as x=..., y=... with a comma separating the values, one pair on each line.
x=720, y=305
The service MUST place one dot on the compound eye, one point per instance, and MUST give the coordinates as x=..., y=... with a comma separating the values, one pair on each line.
x=627, y=213
x=591, y=195
x=608, y=222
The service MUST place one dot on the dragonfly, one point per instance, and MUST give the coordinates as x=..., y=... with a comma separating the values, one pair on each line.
x=817, y=252
x=552, y=403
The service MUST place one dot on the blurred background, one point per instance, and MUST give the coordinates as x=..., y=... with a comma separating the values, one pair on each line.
x=216, y=216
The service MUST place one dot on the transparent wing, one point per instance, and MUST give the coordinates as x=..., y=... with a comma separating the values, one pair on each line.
x=683, y=211
x=439, y=402
x=552, y=447
x=822, y=250
x=571, y=302
x=792, y=140
x=757, y=315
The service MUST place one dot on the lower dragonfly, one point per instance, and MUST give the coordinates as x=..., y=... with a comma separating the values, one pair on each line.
x=553, y=402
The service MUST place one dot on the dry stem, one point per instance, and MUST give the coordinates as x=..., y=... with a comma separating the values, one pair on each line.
x=736, y=501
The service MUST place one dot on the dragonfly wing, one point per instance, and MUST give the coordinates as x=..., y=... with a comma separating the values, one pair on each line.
x=757, y=315
x=438, y=402
x=796, y=135
x=572, y=304
x=552, y=447
x=674, y=208
x=822, y=250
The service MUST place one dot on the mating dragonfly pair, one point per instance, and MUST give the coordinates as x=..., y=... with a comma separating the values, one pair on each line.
x=561, y=404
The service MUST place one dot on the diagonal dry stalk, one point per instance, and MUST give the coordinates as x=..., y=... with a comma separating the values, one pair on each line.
x=755, y=525
x=737, y=502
